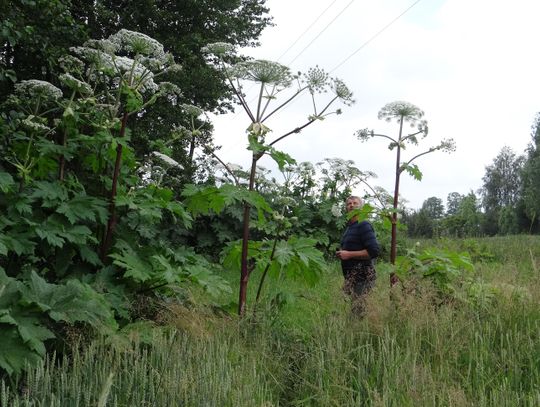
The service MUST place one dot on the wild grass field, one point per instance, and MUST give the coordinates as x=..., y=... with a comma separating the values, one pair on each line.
x=304, y=348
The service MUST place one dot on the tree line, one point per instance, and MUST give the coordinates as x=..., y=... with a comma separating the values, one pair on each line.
x=507, y=203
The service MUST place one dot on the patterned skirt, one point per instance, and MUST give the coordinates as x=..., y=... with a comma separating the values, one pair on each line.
x=359, y=280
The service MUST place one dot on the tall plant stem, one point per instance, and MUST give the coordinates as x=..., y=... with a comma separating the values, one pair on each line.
x=62, y=159
x=266, y=270
x=393, y=244
x=259, y=102
x=111, y=223
x=244, y=271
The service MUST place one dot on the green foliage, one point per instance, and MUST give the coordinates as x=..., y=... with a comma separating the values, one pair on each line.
x=28, y=309
x=531, y=177
x=206, y=200
x=445, y=269
x=149, y=270
x=413, y=170
x=501, y=189
x=482, y=351
x=71, y=182
x=294, y=258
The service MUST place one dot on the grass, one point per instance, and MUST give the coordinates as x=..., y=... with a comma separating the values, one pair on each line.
x=409, y=350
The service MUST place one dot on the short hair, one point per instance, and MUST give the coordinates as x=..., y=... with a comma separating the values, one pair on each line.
x=356, y=197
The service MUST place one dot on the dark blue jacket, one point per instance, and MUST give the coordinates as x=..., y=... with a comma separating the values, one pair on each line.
x=359, y=236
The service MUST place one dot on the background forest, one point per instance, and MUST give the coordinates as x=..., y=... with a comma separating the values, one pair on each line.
x=121, y=228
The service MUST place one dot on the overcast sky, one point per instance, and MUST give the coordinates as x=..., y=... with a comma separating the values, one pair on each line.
x=473, y=66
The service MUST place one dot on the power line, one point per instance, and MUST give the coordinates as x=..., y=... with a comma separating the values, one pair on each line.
x=356, y=51
x=301, y=35
x=376, y=35
x=366, y=42
x=306, y=30
x=298, y=39
x=321, y=32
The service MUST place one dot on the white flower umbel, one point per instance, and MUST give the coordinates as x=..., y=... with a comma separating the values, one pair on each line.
x=336, y=210
x=132, y=70
x=401, y=109
x=73, y=83
x=71, y=64
x=262, y=71
x=165, y=63
x=235, y=167
x=135, y=43
x=191, y=110
x=342, y=91
x=103, y=45
x=166, y=159
x=169, y=89
x=218, y=49
x=99, y=59
x=34, y=89
x=30, y=124
x=316, y=80
x=137, y=74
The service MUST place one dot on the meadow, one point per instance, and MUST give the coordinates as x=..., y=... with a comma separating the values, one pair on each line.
x=304, y=348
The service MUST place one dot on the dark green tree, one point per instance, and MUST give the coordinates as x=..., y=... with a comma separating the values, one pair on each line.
x=531, y=177
x=470, y=215
x=33, y=36
x=433, y=207
x=452, y=203
x=501, y=189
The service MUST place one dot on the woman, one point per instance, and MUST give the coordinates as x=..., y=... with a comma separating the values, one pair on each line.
x=359, y=247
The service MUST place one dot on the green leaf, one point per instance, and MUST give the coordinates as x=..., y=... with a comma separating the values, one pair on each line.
x=3, y=247
x=82, y=207
x=22, y=205
x=203, y=200
x=413, y=170
x=89, y=255
x=212, y=283
x=51, y=237
x=18, y=242
x=362, y=214
x=178, y=209
x=282, y=159
x=19, y=355
x=6, y=182
x=33, y=333
x=70, y=302
x=135, y=268
x=78, y=234
x=51, y=193
x=167, y=272
x=255, y=145
x=133, y=100
x=284, y=253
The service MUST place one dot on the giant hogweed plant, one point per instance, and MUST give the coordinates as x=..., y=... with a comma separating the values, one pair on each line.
x=277, y=88
x=124, y=68
x=67, y=173
x=403, y=113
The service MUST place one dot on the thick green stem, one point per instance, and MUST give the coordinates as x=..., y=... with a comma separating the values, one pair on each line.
x=111, y=223
x=244, y=271
x=263, y=277
x=393, y=243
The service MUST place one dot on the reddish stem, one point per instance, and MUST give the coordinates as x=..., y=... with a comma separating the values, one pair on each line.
x=111, y=223
x=244, y=271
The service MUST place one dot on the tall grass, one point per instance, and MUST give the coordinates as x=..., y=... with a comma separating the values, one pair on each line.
x=177, y=370
x=409, y=350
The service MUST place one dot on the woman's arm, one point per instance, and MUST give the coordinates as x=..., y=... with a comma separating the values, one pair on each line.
x=353, y=254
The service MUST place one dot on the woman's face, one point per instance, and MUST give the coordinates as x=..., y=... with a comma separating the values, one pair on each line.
x=352, y=203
